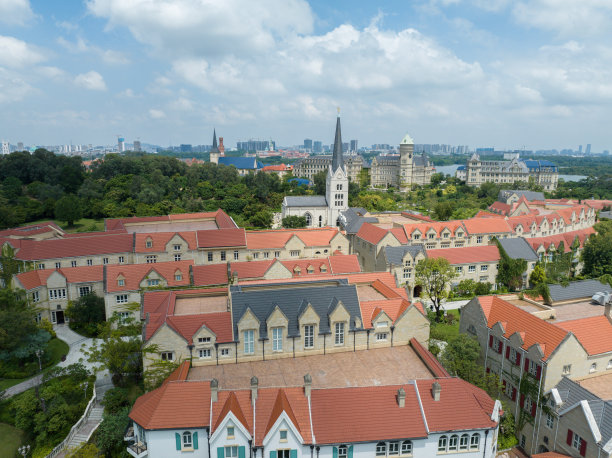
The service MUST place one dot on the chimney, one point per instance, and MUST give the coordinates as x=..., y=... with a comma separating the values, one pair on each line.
x=221, y=146
x=401, y=397
x=436, y=389
x=214, y=390
x=307, y=385
x=608, y=310
x=254, y=385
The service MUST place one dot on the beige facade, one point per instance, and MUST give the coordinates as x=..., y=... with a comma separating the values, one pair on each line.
x=83, y=261
x=310, y=166
x=402, y=171
x=542, y=173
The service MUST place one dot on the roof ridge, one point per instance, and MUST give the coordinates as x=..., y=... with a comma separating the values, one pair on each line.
x=281, y=404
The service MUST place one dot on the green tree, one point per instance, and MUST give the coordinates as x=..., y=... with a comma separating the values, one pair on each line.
x=110, y=432
x=460, y=357
x=86, y=313
x=293, y=222
x=443, y=210
x=319, y=180
x=597, y=254
x=538, y=276
x=510, y=271
x=68, y=209
x=434, y=276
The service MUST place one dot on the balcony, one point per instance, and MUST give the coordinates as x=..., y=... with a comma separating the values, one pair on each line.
x=129, y=435
x=138, y=450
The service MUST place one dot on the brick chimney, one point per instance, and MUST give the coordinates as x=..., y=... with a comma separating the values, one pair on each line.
x=401, y=397
x=307, y=385
x=436, y=390
x=221, y=147
x=214, y=390
x=254, y=386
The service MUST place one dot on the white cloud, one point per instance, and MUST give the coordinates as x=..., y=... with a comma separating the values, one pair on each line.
x=15, y=53
x=129, y=93
x=15, y=11
x=51, y=72
x=91, y=80
x=81, y=46
x=182, y=104
x=12, y=86
x=156, y=114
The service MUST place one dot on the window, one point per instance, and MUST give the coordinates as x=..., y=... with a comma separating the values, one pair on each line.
x=277, y=339
x=416, y=236
x=121, y=282
x=471, y=269
x=577, y=441
x=381, y=336
x=294, y=253
x=90, y=262
x=277, y=254
x=442, y=443
x=309, y=336
x=177, y=257
x=463, y=442
x=533, y=368
x=204, y=352
x=35, y=296
x=73, y=263
x=236, y=255
x=121, y=259
x=593, y=367
x=550, y=421
x=459, y=269
x=431, y=236
x=231, y=451
x=187, y=440
x=153, y=282
x=38, y=317
x=123, y=317
x=104, y=261
x=393, y=448
x=151, y=259
x=484, y=267
x=407, y=273
x=453, y=442
x=338, y=187
x=210, y=256
x=249, y=342
x=256, y=255
x=177, y=248
x=479, y=239
x=406, y=447
x=308, y=219
x=266, y=255
x=121, y=298
x=230, y=432
x=339, y=334
x=149, y=243
x=381, y=449
x=475, y=442
x=609, y=364
x=203, y=339
x=41, y=266
x=283, y=435
x=58, y=265
x=523, y=441
x=167, y=356
x=482, y=278
x=84, y=290
x=178, y=276
x=223, y=256
x=58, y=293
x=225, y=352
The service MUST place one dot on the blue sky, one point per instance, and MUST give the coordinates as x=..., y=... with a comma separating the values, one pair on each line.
x=503, y=73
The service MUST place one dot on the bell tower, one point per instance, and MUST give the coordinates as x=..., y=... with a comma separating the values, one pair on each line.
x=406, y=160
x=337, y=183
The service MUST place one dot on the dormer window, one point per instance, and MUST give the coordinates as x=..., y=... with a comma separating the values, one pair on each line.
x=323, y=268
x=120, y=282
x=283, y=435
x=149, y=243
x=416, y=236
x=178, y=276
x=176, y=248
x=431, y=236
x=230, y=432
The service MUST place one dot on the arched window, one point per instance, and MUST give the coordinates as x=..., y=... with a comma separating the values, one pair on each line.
x=381, y=449
x=452, y=443
x=406, y=447
x=442, y=443
x=342, y=451
x=149, y=242
x=320, y=221
x=393, y=448
x=308, y=217
x=463, y=443
x=475, y=442
x=187, y=439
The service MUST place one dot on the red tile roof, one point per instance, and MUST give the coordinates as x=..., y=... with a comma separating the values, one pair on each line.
x=32, y=229
x=268, y=406
x=536, y=330
x=281, y=404
x=486, y=226
x=438, y=227
x=370, y=233
x=429, y=359
x=466, y=255
x=251, y=269
x=278, y=238
x=208, y=275
x=256, y=240
x=220, y=323
x=400, y=234
x=221, y=218
x=232, y=405
x=221, y=238
x=591, y=332
x=38, y=250
x=341, y=264
x=134, y=274
x=180, y=373
x=159, y=241
x=84, y=274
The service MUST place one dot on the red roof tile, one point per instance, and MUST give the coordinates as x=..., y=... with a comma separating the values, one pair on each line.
x=267, y=407
x=134, y=274
x=486, y=226
x=429, y=359
x=83, y=274
x=466, y=255
x=37, y=250
x=307, y=267
x=591, y=332
x=208, y=275
x=221, y=238
x=232, y=405
x=281, y=404
x=159, y=240
x=370, y=233
x=341, y=264
x=220, y=323
x=221, y=218
x=438, y=227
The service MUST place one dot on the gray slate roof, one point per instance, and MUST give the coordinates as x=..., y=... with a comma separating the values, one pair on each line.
x=607, y=214
x=305, y=201
x=518, y=248
x=395, y=254
x=352, y=222
x=420, y=160
x=577, y=289
x=292, y=301
x=529, y=195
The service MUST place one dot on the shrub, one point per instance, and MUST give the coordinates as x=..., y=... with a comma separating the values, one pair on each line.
x=115, y=400
x=46, y=325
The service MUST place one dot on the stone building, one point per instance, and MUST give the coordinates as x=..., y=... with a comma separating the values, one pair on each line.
x=310, y=166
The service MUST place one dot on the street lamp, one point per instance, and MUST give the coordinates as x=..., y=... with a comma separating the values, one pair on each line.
x=86, y=385
x=39, y=353
x=24, y=450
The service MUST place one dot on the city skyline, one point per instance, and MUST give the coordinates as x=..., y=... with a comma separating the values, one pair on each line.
x=527, y=74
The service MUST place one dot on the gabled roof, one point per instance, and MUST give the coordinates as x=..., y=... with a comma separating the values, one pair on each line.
x=36, y=278
x=438, y=227
x=38, y=250
x=278, y=238
x=221, y=238
x=232, y=405
x=241, y=163
x=271, y=404
x=134, y=274
x=466, y=255
x=486, y=226
x=222, y=220
x=594, y=333
x=211, y=274
x=395, y=254
x=281, y=404
x=577, y=290
x=343, y=264
x=518, y=248
x=536, y=330
x=305, y=201
x=160, y=240
x=372, y=234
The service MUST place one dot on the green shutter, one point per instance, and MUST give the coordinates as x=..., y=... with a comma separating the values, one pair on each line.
x=195, y=441
x=350, y=451
x=293, y=453
x=177, y=436
x=335, y=452
x=272, y=453
x=220, y=452
x=241, y=451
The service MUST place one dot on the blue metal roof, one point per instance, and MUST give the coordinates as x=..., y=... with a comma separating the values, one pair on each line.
x=299, y=181
x=532, y=164
x=241, y=162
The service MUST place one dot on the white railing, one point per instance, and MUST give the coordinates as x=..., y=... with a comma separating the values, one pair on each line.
x=62, y=445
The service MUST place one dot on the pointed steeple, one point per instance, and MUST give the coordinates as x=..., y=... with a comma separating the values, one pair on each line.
x=337, y=159
x=214, y=148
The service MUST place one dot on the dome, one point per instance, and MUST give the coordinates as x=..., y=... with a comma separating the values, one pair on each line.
x=407, y=140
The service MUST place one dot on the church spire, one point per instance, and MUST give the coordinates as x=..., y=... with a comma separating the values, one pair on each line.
x=337, y=159
x=214, y=148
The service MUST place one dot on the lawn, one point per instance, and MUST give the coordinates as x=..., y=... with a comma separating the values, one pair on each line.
x=56, y=348
x=10, y=440
x=447, y=329
x=82, y=225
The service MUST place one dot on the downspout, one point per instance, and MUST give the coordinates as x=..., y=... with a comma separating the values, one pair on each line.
x=250, y=448
x=324, y=335
x=516, y=409
x=368, y=339
x=484, y=449
x=293, y=339
x=392, y=329
x=487, y=349
x=534, y=436
x=236, y=352
x=354, y=339
x=217, y=352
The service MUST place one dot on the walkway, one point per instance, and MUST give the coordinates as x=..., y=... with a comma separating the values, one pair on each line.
x=76, y=343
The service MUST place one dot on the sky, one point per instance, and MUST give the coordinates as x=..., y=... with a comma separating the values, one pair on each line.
x=511, y=74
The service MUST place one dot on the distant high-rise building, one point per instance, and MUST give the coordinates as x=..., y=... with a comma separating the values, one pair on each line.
x=580, y=149
x=317, y=147
x=121, y=144
x=354, y=145
x=588, y=149
x=345, y=147
x=186, y=148
x=252, y=146
x=5, y=148
x=308, y=144
x=19, y=146
x=137, y=146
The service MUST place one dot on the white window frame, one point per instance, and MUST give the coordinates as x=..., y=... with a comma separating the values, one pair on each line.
x=236, y=255
x=120, y=282
x=73, y=263
x=472, y=269
x=121, y=259
x=453, y=443
x=167, y=355
x=464, y=442
x=225, y=352
x=35, y=296
x=187, y=440
x=442, y=444
x=153, y=282
x=484, y=267
x=90, y=262
x=475, y=442
x=231, y=451
x=249, y=341
x=177, y=257
x=309, y=336
x=576, y=441
x=342, y=451
x=84, y=290
x=277, y=339
x=223, y=255
x=209, y=256
x=121, y=298
x=339, y=333
x=393, y=449
x=550, y=421
x=177, y=248
x=204, y=353
x=381, y=336
x=151, y=258
x=381, y=449
x=406, y=448
x=203, y=339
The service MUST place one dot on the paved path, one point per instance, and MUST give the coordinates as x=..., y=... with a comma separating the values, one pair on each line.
x=453, y=305
x=75, y=341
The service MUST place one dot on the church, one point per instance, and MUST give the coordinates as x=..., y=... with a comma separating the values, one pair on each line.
x=324, y=210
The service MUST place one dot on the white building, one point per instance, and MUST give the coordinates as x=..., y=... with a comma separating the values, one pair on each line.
x=5, y=147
